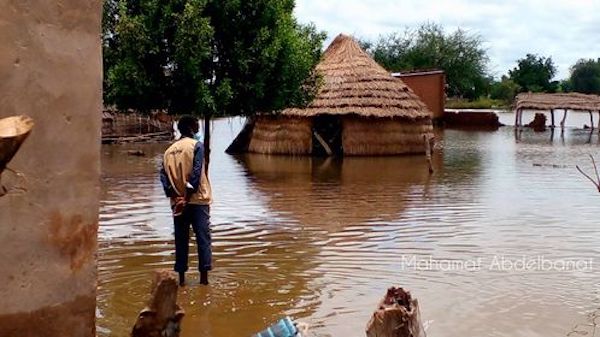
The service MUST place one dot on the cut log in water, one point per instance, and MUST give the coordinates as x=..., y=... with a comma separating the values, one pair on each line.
x=162, y=317
x=398, y=315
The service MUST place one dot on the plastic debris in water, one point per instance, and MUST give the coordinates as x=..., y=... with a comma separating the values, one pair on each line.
x=284, y=328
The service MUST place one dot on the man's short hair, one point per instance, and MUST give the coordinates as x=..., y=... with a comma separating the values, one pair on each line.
x=187, y=125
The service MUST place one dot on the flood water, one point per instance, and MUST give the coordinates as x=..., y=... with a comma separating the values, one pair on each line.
x=321, y=240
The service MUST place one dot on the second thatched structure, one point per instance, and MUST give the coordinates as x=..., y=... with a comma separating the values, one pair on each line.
x=551, y=102
x=359, y=109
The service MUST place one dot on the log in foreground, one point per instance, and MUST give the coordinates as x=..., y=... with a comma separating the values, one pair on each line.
x=162, y=316
x=398, y=315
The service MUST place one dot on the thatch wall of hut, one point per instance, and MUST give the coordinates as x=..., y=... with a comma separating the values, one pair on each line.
x=384, y=136
x=281, y=135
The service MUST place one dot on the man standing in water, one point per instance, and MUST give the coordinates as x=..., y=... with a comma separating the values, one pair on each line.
x=185, y=182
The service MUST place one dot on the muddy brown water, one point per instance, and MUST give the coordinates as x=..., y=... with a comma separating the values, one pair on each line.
x=321, y=240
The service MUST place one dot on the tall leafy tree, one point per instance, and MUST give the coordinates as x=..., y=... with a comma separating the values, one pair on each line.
x=208, y=57
x=460, y=54
x=212, y=57
x=264, y=57
x=534, y=73
x=585, y=76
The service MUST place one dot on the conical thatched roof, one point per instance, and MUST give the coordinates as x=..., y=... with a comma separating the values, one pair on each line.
x=353, y=83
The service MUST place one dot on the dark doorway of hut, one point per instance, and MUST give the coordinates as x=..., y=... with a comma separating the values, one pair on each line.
x=327, y=136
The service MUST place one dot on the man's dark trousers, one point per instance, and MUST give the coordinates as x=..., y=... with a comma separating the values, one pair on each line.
x=199, y=218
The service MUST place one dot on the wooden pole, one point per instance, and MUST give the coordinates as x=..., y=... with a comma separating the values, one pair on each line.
x=552, y=118
x=516, y=118
x=591, y=120
x=521, y=118
x=207, y=145
x=562, y=122
x=598, y=121
x=323, y=143
x=162, y=316
x=428, y=151
x=397, y=315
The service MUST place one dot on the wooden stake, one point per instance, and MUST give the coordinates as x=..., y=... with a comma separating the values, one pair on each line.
x=323, y=143
x=516, y=118
x=591, y=120
x=562, y=122
x=552, y=118
x=521, y=117
x=162, y=316
x=429, y=151
x=398, y=315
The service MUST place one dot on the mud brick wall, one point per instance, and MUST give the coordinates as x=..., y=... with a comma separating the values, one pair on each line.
x=51, y=70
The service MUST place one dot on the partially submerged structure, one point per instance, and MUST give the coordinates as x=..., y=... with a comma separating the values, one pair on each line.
x=551, y=102
x=124, y=127
x=359, y=109
x=430, y=86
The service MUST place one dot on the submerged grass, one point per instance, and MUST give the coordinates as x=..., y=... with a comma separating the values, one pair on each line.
x=480, y=103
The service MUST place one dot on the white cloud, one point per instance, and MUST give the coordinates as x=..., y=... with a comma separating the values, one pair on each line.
x=567, y=30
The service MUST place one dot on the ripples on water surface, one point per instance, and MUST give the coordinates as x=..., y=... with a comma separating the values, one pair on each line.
x=321, y=240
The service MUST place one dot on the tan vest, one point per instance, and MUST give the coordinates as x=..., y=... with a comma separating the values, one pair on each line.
x=178, y=162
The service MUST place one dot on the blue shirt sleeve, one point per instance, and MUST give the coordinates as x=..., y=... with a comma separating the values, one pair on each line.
x=166, y=183
x=196, y=174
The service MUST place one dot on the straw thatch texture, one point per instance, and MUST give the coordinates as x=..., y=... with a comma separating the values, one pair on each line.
x=353, y=83
x=281, y=135
x=570, y=101
x=370, y=136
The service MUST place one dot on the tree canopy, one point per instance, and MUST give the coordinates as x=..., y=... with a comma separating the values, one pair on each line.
x=460, y=54
x=585, y=76
x=534, y=73
x=505, y=89
x=213, y=57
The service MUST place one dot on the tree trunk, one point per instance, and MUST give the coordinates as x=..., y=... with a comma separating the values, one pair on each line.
x=206, y=142
x=162, y=316
x=397, y=316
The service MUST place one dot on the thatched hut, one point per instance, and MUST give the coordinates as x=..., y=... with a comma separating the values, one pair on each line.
x=359, y=109
x=560, y=101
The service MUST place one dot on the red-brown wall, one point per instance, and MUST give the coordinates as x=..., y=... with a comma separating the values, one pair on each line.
x=430, y=87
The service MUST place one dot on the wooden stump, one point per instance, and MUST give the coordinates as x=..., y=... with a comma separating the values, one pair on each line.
x=162, y=316
x=397, y=316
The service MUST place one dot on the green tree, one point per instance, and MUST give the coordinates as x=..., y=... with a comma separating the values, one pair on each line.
x=264, y=56
x=585, y=76
x=138, y=38
x=210, y=57
x=505, y=90
x=534, y=73
x=460, y=54
x=565, y=86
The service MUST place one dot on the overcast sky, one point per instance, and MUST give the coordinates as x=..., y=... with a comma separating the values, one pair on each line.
x=567, y=30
